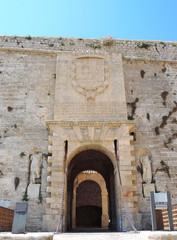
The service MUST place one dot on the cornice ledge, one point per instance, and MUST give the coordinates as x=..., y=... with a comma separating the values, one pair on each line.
x=90, y=123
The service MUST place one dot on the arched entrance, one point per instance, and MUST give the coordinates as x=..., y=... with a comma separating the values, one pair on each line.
x=88, y=205
x=91, y=160
x=90, y=192
x=90, y=147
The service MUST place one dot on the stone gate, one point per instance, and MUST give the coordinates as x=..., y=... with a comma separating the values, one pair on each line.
x=88, y=92
x=90, y=112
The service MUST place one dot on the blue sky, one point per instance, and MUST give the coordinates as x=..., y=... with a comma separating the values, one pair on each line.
x=122, y=19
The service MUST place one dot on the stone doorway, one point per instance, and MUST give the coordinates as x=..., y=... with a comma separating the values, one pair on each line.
x=88, y=205
x=88, y=168
x=90, y=192
x=90, y=147
x=90, y=116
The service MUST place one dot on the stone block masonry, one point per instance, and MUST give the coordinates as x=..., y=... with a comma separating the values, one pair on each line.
x=89, y=92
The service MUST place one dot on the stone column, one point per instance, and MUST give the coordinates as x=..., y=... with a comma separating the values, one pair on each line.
x=105, y=216
x=55, y=180
x=74, y=209
x=128, y=175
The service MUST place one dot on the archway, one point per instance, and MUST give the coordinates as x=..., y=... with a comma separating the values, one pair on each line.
x=91, y=195
x=98, y=161
x=88, y=205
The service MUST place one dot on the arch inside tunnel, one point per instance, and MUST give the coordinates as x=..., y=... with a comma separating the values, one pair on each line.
x=92, y=160
x=88, y=205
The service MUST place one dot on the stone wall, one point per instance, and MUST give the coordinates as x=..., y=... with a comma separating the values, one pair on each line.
x=88, y=193
x=27, y=93
x=27, y=78
x=152, y=99
x=155, y=50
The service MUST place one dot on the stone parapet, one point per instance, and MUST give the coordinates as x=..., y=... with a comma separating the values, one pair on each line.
x=136, y=49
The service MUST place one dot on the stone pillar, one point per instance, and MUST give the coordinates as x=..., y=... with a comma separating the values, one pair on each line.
x=128, y=175
x=74, y=209
x=55, y=180
x=105, y=216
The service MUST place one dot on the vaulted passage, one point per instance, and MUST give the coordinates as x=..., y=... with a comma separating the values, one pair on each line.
x=95, y=204
x=88, y=205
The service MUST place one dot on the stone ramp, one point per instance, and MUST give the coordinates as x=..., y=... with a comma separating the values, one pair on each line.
x=100, y=236
x=143, y=235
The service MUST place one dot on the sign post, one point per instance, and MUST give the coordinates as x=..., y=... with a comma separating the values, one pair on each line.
x=19, y=220
x=153, y=214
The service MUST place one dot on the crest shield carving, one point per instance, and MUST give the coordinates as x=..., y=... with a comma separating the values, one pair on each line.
x=90, y=75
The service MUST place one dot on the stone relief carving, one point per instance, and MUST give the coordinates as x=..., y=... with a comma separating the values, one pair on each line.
x=35, y=168
x=89, y=52
x=147, y=170
x=90, y=73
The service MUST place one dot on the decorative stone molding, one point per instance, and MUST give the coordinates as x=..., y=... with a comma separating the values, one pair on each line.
x=90, y=131
x=90, y=73
x=131, y=124
x=81, y=53
x=85, y=135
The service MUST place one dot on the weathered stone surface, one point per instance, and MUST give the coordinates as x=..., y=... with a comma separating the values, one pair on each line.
x=27, y=236
x=66, y=236
x=147, y=188
x=91, y=88
x=33, y=190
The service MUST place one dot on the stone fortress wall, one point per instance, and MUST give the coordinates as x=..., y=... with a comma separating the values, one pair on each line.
x=27, y=89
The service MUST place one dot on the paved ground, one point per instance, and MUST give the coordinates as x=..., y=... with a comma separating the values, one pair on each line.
x=99, y=236
x=27, y=236
x=143, y=235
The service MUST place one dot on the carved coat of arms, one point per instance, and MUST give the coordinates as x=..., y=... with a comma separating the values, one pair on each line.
x=90, y=75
